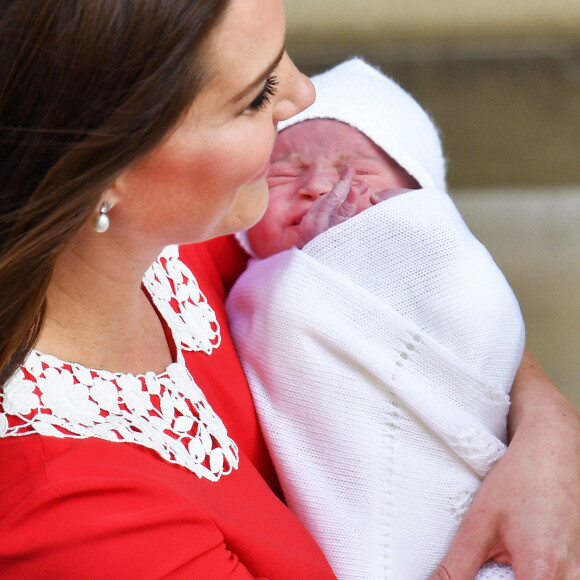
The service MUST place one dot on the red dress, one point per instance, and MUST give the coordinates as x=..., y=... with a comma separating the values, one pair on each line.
x=81, y=507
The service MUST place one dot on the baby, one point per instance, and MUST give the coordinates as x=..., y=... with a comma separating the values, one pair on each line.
x=314, y=158
x=380, y=354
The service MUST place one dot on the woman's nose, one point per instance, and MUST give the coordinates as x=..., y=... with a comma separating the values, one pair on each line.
x=315, y=184
x=295, y=93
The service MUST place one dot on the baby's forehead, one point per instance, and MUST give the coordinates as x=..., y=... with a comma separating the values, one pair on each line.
x=313, y=128
x=321, y=135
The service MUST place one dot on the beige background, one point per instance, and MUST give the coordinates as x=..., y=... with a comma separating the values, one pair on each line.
x=424, y=18
x=502, y=81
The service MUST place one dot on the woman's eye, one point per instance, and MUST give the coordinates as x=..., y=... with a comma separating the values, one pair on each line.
x=265, y=96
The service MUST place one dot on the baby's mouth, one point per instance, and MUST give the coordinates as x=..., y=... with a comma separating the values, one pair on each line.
x=297, y=220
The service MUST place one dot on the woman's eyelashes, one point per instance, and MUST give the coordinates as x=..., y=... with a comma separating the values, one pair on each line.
x=265, y=96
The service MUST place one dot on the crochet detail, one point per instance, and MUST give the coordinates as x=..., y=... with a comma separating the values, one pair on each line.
x=474, y=445
x=462, y=503
x=495, y=571
x=167, y=413
x=175, y=293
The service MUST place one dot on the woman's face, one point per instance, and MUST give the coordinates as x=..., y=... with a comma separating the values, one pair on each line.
x=307, y=161
x=208, y=178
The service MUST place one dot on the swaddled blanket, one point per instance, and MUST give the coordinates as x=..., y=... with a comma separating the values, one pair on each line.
x=380, y=358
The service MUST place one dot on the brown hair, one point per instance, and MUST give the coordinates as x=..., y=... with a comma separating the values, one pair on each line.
x=88, y=87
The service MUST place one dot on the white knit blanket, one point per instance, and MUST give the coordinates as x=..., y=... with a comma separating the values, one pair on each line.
x=380, y=358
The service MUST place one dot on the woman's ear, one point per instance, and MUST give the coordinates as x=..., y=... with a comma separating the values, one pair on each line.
x=114, y=193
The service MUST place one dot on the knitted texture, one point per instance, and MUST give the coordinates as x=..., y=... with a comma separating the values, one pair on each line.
x=380, y=358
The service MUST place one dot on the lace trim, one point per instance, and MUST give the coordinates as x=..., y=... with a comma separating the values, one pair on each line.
x=480, y=449
x=175, y=293
x=167, y=413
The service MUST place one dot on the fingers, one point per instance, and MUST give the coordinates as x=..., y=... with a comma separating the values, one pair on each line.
x=472, y=546
x=349, y=206
x=559, y=560
x=462, y=563
x=458, y=564
x=543, y=567
x=332, y=208
x=387, y=194
x=342, y=187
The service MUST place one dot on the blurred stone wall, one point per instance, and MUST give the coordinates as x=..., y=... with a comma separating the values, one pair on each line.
x=502, y=81
x=333, y=19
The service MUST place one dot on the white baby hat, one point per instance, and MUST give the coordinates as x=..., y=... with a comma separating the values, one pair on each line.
x=356, y=93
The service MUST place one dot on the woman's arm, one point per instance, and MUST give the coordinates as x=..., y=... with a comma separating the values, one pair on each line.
x=527, y=511
x=113, y=527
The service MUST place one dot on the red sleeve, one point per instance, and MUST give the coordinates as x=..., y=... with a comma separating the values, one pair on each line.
x=228, y=257
x=95, y=527
x=221, y=375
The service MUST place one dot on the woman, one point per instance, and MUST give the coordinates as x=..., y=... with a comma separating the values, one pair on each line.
x=128, y=126
x=104, y=101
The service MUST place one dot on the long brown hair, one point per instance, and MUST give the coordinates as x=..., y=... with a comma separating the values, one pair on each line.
x=87, y=88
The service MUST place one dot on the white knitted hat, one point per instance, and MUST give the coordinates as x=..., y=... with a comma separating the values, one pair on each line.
x=360, y=95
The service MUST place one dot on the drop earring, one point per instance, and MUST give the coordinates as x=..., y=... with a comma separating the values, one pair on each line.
x=101, y=221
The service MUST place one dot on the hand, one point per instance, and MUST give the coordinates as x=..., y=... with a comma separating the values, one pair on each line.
x=527, y=511
x=332, y=208
x=387, y=194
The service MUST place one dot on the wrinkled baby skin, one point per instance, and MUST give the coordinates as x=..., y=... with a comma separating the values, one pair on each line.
x=310, y=160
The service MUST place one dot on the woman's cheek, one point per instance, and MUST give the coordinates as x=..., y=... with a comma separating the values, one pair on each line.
x=255, y=150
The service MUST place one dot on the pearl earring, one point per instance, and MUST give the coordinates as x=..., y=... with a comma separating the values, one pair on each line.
x=101, y=221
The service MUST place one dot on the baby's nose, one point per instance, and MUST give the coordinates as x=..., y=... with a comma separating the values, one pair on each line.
x=315, y=184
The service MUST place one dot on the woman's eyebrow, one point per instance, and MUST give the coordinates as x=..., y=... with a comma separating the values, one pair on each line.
x=261, y=79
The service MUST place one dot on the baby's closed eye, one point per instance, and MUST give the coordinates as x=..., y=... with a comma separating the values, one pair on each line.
x=281, y=175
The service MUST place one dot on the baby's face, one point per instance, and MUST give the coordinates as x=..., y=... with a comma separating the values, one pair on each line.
x=307, y=160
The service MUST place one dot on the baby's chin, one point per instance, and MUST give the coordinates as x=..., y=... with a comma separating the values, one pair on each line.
x=266, y=242
x=258, y=241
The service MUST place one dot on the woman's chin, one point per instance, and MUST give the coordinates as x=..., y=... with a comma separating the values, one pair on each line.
x=251, y=204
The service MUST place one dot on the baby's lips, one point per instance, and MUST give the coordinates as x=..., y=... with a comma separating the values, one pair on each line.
x=297, y=219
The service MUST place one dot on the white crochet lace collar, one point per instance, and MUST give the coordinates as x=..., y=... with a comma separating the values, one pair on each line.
x=165, y=412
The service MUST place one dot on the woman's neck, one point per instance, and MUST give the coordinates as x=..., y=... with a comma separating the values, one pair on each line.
x=97, y=313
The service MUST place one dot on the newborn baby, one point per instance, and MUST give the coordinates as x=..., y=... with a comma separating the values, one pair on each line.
x=309, y=160
x=379, y=338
